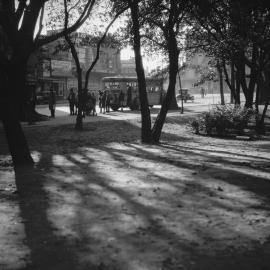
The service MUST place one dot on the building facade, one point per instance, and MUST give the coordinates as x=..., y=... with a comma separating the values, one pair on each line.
x=128, y=67
x=53, y=66
x=197, y=66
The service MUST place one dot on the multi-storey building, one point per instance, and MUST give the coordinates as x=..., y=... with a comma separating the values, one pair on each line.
x=54, y=67
x=128, y=67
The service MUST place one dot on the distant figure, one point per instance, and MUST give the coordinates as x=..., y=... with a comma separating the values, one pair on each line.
x=72, y=101
x=203, y=92
x=91, y=104
x=129, y=96
x=100, y=93
x=121, y=99
x=108, y=101
x=52, y=102
x=103, y=100
x=94, y=100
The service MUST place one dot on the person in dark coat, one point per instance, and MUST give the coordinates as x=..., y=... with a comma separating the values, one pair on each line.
x=121, y=99
x=129, y=96
x=103, y=102
x=108, y=101
x=72, y=100
x=94, y=101
x=52, y=102
x=100, y=94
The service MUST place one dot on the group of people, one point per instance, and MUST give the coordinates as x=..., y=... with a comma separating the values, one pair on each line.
x=88, y=102
x=105, y=99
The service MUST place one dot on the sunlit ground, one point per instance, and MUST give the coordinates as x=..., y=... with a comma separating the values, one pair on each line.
x=101, y=200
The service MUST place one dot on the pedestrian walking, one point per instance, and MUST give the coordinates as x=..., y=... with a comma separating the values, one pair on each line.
x=94, y=100
x=108, y=101
x=202, y=92
x=52, y=102
x=103, y=101
x=121, y=99
x=129, y=96
x=72, y=101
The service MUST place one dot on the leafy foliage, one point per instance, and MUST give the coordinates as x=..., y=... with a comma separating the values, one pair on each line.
x=233, y=33
x=222, y=120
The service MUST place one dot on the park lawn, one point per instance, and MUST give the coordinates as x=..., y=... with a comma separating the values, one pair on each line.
x=99, y=199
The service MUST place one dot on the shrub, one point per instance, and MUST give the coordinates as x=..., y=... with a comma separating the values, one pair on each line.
x=222, y=119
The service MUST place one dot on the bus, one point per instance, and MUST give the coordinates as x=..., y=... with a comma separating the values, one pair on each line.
x=129, y=87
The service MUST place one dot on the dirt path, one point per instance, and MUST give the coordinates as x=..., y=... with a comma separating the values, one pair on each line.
x=101, y=200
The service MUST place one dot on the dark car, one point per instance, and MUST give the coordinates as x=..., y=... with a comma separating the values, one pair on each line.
x=184, y=95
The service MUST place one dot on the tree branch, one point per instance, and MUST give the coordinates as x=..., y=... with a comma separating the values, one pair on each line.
x=83, y=17
x=159, y=44
x=41, y=21
x=20, y=10
x=99, y=44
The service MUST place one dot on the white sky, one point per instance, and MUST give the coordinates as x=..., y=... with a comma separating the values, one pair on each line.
x=149, y=63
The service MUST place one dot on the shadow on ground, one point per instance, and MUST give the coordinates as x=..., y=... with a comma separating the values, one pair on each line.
x=105, y=201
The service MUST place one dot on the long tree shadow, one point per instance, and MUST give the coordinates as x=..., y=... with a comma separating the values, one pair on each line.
x=164, y=233
x=48, y=249
x=78, y=215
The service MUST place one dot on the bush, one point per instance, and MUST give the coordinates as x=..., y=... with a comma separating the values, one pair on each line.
x=222, y=120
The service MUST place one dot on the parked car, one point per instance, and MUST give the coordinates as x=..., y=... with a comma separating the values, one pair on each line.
x=185, y=95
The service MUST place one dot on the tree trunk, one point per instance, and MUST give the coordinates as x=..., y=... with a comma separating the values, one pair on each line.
x=173, y=69
x=146, y=135
x=17, y=142
x=249, y=98
x=79, y=121
x=233, y=90
x=237, y=100
x=230, y=81
x=173, y=105
x=260, y=121
x=221, y=85
x=181, y=92
x=257, y=100
x=264, y=112
x=251, y=89
x=14, y=96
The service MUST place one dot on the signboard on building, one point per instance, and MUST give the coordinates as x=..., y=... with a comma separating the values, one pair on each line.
x=61, y=68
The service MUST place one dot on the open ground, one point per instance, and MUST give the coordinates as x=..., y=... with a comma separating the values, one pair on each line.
x=99, y=199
